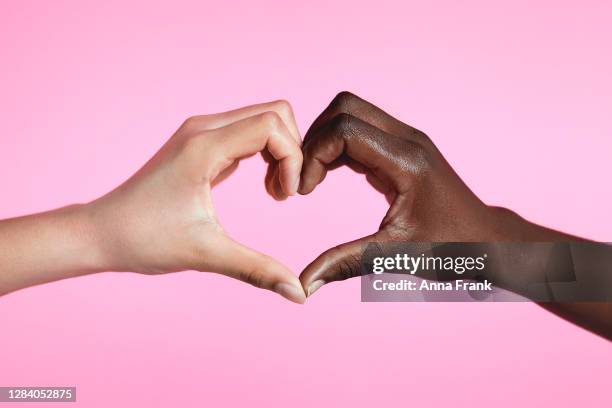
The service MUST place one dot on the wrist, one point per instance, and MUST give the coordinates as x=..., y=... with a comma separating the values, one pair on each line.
x=117, y=237
x=508, y=226
x=91, y=240
x=524, y=248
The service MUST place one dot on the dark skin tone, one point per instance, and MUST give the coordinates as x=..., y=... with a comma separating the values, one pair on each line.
x=428, y=200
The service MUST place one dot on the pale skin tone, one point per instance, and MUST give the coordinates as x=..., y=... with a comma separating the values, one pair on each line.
x=162, y=219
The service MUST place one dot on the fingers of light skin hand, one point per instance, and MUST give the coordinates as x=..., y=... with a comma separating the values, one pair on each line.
x=268, y=179
x=335, y=264
x=363, y=143
x=275, y=185
x=280, y=107
x=271, y=179
x=266, y=130
x=237, y=261
x=287, y=169
x=272, y=183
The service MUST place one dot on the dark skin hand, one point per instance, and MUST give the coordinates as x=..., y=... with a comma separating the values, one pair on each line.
x=428, y=201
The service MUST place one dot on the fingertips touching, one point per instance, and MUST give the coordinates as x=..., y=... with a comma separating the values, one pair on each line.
x=286, y=150
x=338, y=263
x=314, y=286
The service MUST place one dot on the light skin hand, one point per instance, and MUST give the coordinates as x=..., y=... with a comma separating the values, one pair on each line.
x=162, y=219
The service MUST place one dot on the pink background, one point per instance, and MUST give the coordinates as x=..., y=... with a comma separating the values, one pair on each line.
x=517, y=96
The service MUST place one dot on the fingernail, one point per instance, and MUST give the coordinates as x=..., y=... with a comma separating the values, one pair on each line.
x=314, y=286
x=290, y=292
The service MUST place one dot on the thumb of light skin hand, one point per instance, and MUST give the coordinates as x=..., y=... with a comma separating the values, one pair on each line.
x=240, y=262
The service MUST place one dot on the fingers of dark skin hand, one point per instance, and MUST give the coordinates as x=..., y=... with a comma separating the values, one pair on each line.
x=346, y=102
x=355, y=133
x=392, y=165
x=346, y=138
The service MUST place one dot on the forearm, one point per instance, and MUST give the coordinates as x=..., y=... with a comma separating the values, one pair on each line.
x=47, y=247
x=595, y=316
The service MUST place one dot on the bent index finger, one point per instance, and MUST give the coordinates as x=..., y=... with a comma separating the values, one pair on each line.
x=263, y=131
x=346, y=102
x=280, y=107
x=386, y=156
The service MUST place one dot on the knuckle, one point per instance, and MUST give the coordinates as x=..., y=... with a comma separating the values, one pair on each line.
x=423, y=136
x=272, y=121
x=283, y=106
x=419, y=136
x=420, y=157
x=198, y=147
x=193, y=122
x=343, y=124
x=343, y=100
